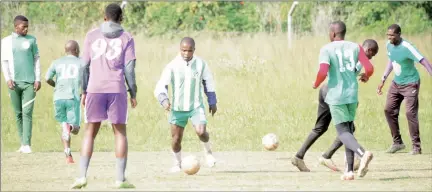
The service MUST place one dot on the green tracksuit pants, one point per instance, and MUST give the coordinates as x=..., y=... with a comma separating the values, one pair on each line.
x=23, y=97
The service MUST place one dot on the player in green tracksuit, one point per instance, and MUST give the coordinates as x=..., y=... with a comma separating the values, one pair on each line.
x=21, y=70
x=67, y=70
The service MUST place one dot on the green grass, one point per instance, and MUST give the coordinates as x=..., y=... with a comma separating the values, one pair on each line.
x=262, y=87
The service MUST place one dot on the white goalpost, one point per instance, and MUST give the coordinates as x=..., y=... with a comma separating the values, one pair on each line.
x=123, y=5
x=293, y=6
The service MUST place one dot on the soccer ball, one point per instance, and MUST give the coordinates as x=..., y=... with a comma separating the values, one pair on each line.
x=190, y=165
x=270, y=142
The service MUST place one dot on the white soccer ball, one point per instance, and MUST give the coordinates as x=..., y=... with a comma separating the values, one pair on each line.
x=270, y=142
x=190, y=165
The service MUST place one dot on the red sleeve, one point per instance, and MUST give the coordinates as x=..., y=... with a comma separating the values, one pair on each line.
x=364, y=61
x=322, y=74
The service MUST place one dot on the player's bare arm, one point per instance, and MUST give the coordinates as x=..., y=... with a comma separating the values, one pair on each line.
x=387, y=72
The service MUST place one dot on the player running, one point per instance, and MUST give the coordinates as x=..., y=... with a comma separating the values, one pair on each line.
x=21, y=70
x=405, y=86
x=67, y=71
x=109, y=55
x=187, y=74
x=339, y=59
x=324, y=118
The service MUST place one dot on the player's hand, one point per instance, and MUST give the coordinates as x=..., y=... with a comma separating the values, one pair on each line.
x=134, y=102
x=213, y=109
x=36, y=86
x=83, y=98
x=11, y=85
x=363, y=78
x=380, y=86
x=166, y=105
x=313, y=85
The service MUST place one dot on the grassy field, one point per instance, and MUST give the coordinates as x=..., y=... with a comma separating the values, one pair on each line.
x=262, y=87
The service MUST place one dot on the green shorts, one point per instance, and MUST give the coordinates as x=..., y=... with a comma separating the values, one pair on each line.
x=343, y=113
x=180, y=118
x=68, y=110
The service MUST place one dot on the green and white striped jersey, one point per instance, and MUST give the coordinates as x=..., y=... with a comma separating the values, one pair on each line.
x=187, y=81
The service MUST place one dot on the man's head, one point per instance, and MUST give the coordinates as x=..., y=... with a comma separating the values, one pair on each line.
x=394, y=34
x=370, y=47
x=114, y=13
x=187, y=48
x=21, y=25
x=337, y=31
x=72, y=48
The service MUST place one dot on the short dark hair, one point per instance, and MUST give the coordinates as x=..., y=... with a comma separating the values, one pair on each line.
x=370, y=43
x=20, y=18
x=113, y=12
x=340, y=25
x=188, y=40
x=396, y=28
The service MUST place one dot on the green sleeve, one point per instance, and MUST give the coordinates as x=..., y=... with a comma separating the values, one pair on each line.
x=35, y=48
x=324, y=57
x=51, y=72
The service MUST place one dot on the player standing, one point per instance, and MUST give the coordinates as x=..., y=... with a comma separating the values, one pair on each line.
x=109, y=56
x=338, y=59
x=405, y=86
x=21, y=70
x=67, y=93
x=324, y=118
x=187, y=74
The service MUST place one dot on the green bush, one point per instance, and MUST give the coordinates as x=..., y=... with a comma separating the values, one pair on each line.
x=162, y=18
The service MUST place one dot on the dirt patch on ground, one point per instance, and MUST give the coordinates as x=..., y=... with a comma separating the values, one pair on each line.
x=234, y=171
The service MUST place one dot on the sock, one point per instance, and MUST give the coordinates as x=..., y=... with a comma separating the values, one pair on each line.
x=177, y=157
x=348, y=139
x=207, y=147
x=310, y=140
x=84, y=164
x=349, y=155
x=334, y=147
x=67, y=151
x=121, y=168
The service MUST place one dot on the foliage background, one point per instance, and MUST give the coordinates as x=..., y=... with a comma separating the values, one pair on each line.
x=171, y=18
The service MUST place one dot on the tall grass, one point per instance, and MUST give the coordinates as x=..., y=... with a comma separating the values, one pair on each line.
x=262, y=86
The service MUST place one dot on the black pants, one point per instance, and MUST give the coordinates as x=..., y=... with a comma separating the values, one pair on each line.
x=321, y=126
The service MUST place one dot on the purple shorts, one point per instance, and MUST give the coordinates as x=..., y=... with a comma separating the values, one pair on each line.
x=103, y=106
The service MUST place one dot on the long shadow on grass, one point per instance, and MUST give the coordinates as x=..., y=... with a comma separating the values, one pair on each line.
x=397, y=170
x=404, y=177
x=264, y=171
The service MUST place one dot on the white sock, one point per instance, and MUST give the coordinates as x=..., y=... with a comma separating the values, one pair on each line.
x=207, y=147
x=67, y=151
x=177, y=157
